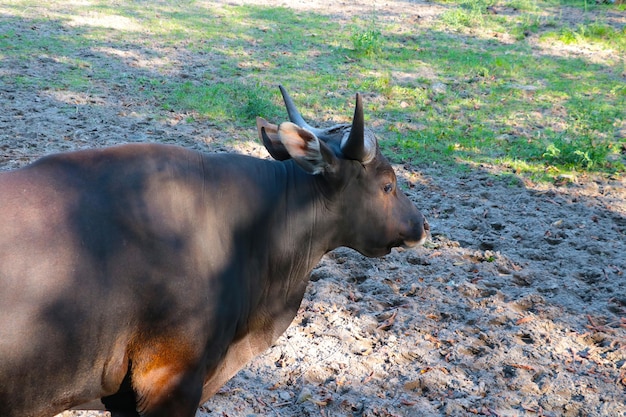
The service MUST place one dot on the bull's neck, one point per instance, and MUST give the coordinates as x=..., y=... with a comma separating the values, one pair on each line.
x=304, y=238
x=300, y=239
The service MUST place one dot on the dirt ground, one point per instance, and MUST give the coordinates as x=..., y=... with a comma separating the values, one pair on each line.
x=517, y=307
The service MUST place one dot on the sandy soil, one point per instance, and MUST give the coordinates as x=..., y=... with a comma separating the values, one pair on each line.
x=516, y=308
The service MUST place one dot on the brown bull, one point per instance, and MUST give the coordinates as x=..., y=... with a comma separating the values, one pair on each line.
x=145, y=276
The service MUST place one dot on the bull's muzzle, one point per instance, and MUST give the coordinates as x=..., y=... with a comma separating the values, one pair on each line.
x=423, y=233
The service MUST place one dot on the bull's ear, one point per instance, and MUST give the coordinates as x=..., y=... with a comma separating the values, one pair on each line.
x=268, y=133
x=313, y=155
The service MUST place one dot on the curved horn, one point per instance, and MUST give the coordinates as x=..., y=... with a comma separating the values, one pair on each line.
x=294, y=114
x=353, y=146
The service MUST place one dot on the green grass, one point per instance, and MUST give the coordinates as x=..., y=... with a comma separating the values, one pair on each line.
x=595, y=32
x=222, y=102
x=484, y=83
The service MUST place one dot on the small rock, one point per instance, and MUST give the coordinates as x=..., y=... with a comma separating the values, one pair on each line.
x=439, y=88
x=523, y=279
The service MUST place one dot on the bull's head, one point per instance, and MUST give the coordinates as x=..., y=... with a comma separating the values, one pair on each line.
x=358, y=181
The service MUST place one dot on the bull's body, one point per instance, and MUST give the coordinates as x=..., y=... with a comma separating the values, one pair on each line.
x=148, y=275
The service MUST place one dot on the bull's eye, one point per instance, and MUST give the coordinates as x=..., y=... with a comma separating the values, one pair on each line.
x=388, y=188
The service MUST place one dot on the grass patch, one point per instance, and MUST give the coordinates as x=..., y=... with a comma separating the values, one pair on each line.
x=222, y=102
x=476, y=85
x=367, y=43
x=591, y=33
x=469, y=13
